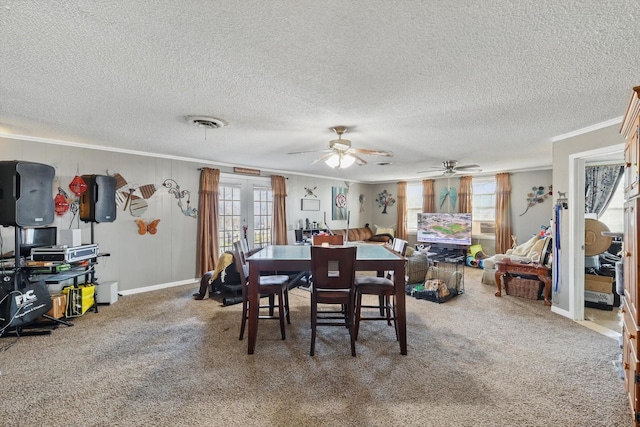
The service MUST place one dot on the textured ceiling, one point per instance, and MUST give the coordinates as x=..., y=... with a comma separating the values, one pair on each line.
x=487, y=82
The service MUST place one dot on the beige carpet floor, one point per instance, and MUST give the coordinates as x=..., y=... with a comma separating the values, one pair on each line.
x=164, y=359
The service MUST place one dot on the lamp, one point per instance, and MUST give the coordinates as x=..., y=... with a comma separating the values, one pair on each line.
x=340, y=160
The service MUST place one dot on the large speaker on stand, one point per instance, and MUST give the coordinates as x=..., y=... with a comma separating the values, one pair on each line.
x=98, y=202
x=26, y=194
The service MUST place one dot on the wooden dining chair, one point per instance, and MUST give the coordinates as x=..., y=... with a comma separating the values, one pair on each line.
x=333, y=271
x=269, y=286
x=331, y=239
x=382, y=287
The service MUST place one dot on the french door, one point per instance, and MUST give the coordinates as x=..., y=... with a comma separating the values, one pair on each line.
x=245, y=210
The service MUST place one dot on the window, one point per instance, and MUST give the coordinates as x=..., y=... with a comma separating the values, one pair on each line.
x=246, y=206
x=229, y=219
x=613, y=216
x=484, y=207
x=262, y=216
x=414, y=205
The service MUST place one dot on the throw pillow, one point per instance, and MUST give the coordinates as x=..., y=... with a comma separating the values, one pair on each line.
x=385, y=230
x=536, y=250
x=523, y=249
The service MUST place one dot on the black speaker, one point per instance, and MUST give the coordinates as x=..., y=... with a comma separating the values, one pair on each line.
x=98, y=202
x=26, y=194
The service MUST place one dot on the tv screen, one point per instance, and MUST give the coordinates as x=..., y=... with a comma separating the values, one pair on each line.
x=36, y=238
x=445, y=228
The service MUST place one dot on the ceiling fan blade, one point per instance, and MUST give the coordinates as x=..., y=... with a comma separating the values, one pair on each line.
x=372, y=152
x=467, y=167
x=432, y=171
x=322, y=158
x=312, y=151
x=359, y=160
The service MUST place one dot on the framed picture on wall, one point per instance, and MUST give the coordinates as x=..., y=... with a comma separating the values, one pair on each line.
x=310, y=205
x=339, y=196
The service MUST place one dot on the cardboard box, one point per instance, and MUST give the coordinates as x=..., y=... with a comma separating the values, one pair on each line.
x=59, y=306
x=599, y=297
x=595, y=283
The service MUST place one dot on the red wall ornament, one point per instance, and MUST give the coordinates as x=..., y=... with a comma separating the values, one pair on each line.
x=61, y=206
x=77, y=185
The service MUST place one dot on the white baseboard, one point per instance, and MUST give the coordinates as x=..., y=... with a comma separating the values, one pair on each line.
x=157, y=287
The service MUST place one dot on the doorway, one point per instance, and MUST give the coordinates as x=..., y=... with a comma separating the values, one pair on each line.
x=577, y=163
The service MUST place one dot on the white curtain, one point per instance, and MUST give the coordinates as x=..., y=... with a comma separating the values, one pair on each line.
x=600, y=184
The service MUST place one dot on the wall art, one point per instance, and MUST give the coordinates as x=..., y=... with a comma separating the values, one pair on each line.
x=173, y=188
x=310, y=204
x=340, y=201
x=384, y=200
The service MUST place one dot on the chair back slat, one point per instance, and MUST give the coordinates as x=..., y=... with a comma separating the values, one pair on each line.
x=239, y=257
x=400, y=246
x=331, y=239
x=333, y=267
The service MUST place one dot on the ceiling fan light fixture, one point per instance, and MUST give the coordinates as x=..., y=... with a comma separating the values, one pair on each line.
x=340, y=161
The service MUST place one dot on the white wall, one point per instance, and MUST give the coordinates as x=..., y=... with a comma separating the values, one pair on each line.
x=135, y=260
x=563, y=151
x=521, y=184
x=296, y=185
x=168, y=257
x=525, y=226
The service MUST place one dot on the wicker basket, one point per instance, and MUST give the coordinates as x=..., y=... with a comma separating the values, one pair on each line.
x=525, y=288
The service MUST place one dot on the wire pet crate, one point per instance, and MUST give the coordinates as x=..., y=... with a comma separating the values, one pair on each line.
x=444, y=280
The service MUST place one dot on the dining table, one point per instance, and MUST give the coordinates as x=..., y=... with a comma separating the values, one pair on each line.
x=287, y=258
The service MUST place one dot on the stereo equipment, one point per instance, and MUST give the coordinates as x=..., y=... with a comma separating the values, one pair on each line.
x=98, y=202
x=65, y=254
x=26, y=194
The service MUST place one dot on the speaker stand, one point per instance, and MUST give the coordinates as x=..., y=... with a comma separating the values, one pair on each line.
x=19, y=331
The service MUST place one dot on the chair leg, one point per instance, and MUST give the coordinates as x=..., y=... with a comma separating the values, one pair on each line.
x=381, y=301
x=272, y=299
x=387, y=305
x=286, y=304
x=281, y=313
x=314, y=322
x=357, y=315
x=245, y=313
x=352, y=331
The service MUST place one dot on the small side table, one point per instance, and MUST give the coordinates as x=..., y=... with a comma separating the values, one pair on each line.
x=505, y=267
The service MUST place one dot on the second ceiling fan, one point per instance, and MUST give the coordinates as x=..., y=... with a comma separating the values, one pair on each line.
x=450, y=168
x=341, y=155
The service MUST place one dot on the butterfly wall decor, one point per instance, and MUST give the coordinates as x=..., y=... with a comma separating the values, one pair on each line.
x=453, y=196
x=127, y=197
x=144, y=228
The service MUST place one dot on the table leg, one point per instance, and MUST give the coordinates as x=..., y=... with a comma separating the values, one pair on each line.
x=254, y=303
x=401, y=311
x=498, y=276
x=547, y=287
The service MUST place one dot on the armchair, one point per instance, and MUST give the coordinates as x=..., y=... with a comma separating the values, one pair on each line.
x=530, y=251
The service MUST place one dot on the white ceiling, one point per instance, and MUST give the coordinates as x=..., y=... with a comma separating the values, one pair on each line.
x=488, y=82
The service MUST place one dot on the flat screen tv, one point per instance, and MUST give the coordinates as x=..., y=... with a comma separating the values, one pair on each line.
x=35, y=238
x=445, y=228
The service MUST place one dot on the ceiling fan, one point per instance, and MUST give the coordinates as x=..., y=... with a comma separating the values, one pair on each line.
x=341, y=155
x=450, y=168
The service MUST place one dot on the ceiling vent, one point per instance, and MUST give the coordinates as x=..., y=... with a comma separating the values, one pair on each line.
x=206, y=122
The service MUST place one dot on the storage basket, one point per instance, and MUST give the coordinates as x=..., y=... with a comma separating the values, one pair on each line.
x=525, y=288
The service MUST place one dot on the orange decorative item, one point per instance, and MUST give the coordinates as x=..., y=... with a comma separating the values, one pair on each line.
x=77, y=185
x=144, y=228
x=61, y=205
